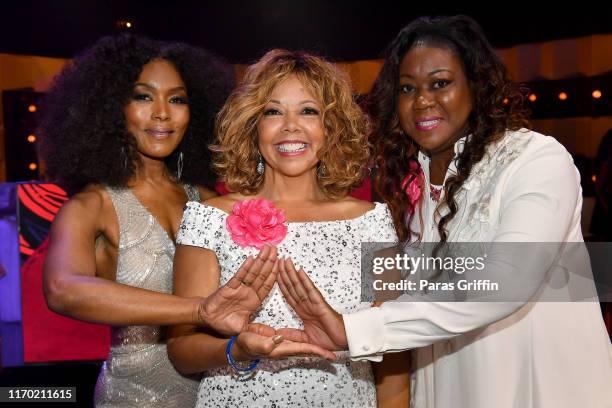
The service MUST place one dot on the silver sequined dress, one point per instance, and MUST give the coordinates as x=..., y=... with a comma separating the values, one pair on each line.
x=330, y=253
x=138, y=372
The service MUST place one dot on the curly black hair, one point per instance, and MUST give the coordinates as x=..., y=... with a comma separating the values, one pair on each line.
x=84, y=137
x=498, y=105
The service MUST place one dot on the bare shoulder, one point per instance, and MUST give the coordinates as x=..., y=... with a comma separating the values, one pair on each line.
x=92, y=198
x=353, y=207
x=91, y=208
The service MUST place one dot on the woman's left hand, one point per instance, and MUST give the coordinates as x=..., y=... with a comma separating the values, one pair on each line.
x=323, y=326
x=228, y=310
x=261, y=341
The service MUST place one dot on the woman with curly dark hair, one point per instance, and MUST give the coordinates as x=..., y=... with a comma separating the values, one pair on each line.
x=126, y=131
x=455, y=164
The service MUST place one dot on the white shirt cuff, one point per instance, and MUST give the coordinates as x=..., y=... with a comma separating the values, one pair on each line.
x=364, y=333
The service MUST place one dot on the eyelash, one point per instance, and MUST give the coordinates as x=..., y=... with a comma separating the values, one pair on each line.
x=310, y=111
x=406, y=89
x=146, y=97
x=305, y=111
x=445, y=83
x=180, y=100
x=271, y=112
x=141, y=97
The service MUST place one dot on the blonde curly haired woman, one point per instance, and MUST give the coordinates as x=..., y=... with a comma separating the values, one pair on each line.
x=292, y=144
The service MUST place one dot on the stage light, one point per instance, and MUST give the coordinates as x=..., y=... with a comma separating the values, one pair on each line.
x=32, y=108
x=506, y=101
x=533, y=97
x=594, y=178
x=562, y=96
x=596, y=94
x=31, y=138
x=125, y=24
x=33, y=166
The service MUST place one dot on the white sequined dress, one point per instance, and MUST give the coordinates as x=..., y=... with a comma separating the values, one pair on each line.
x=330, y=253
x=137, y=372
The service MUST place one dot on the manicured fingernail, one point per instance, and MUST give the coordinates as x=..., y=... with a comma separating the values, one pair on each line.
x=277, y=339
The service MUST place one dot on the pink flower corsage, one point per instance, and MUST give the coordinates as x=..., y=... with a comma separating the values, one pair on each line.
x=412, y=185
x=256, y=222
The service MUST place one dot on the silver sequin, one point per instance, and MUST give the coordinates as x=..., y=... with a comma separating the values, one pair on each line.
x=330, y=253
x=138, y=372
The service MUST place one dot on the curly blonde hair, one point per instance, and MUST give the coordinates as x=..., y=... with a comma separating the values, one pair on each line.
x=345, y=153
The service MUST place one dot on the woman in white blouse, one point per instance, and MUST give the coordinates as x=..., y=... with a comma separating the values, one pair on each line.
x=451, y=125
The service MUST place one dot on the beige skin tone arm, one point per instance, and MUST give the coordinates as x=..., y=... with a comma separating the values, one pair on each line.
x=197, y=273
x=77, y=278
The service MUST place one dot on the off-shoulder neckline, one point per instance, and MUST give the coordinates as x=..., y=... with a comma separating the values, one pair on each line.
x=377, y=205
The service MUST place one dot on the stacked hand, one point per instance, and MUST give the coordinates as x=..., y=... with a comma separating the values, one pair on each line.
x=260, y=340
x=229, y=310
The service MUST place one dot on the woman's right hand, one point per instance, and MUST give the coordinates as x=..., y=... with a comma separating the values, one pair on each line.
x=261, y=341
x=228, y=310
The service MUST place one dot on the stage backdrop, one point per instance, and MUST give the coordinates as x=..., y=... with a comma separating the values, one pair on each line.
x=29, y=208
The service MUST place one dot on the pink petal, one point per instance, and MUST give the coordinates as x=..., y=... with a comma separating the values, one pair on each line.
x=256, y=222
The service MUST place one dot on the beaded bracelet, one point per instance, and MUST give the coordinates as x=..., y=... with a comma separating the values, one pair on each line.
x=233, y=363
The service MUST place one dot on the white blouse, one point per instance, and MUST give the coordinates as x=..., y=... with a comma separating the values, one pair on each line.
x=501, y=354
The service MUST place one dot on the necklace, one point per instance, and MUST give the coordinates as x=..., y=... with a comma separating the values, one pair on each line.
x=435, y=192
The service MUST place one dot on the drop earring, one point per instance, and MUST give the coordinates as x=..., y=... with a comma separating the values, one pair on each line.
x=321, y=170
x=179, y=166
x=260, y=165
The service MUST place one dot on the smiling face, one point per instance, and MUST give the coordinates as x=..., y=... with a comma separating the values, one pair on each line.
x=435, y=100
x=290, y=131
x=158, y=112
